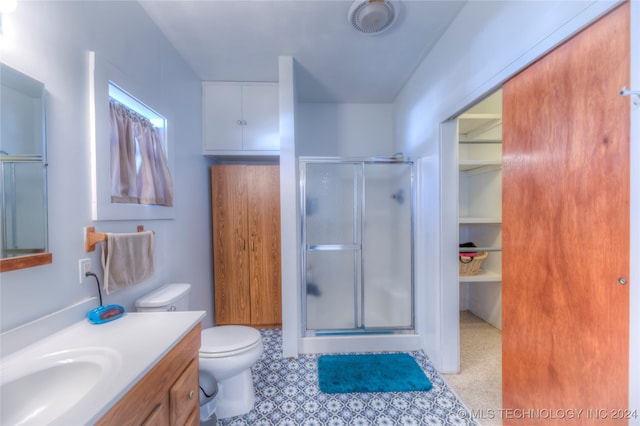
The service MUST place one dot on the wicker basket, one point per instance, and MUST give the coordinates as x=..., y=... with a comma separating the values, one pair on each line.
x=470, y=265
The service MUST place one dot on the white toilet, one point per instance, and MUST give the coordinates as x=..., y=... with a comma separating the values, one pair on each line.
x=227, y=352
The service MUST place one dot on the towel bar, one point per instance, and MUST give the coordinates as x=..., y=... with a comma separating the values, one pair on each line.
x=91, y=237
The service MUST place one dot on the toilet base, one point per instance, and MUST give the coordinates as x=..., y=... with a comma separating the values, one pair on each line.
x=235, y=395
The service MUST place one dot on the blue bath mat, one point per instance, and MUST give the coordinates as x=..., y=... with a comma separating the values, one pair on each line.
x=370, y=373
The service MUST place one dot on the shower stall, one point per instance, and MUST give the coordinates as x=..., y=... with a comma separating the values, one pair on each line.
x=357, y=246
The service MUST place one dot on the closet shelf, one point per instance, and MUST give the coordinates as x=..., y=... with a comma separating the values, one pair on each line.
x=476, y=249
x=474, y=126
x=470, y=220
x=479, y=141
x=491, y=116
x=479, y=165
x=483, y=276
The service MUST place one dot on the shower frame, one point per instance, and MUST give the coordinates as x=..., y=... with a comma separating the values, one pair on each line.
x=359, y=274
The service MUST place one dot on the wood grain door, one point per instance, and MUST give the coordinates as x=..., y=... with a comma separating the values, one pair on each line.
x=246, y=244
x=566, y=231
x=264, y=237
x=229, y=200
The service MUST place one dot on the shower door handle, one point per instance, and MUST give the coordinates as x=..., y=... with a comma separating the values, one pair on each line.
x=328, y=247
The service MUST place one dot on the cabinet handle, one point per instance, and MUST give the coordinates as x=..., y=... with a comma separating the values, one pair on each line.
x=242, y=122
x=239, y=122
x=190, y=395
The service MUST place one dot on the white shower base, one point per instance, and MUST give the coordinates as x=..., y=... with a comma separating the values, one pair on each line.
x=360, y=343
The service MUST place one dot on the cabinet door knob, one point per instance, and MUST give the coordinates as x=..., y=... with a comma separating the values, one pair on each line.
x=239, y=122
x=191, y=394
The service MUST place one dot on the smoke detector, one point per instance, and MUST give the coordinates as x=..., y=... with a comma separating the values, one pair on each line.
x=371, y=16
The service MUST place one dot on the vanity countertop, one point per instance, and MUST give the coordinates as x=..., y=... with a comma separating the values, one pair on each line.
x=133, y=344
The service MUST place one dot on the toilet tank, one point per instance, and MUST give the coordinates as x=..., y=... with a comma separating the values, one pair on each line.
x=169, y=297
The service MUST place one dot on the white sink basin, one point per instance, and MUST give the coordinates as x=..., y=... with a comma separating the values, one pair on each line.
x=75, y=375
x=37, y=391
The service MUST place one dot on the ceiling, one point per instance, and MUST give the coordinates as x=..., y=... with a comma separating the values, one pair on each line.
x=237, y=40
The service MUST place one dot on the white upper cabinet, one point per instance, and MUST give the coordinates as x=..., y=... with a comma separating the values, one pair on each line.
x=240, y=118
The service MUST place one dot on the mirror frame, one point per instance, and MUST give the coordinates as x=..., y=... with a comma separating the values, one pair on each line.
x=31, y=260
x=23, y=262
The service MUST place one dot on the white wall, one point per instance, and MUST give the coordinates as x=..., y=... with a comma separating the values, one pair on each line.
x=50, y=40
x=289, y=213
x=486, y=44
x=345, y=130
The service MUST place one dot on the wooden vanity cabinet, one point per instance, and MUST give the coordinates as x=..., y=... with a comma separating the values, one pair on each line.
x=168, y=394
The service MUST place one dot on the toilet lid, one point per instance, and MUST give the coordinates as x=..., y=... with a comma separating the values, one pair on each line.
x=228, y=338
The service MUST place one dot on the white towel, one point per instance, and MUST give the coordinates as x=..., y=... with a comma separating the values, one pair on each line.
x=127, y=259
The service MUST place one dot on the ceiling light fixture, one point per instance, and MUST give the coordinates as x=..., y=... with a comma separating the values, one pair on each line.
x=371, y=16
x=8, y=6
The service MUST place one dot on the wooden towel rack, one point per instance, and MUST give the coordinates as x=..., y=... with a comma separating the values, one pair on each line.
x=91, y=237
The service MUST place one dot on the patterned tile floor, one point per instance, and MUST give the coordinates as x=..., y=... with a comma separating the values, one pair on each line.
x=287, y=393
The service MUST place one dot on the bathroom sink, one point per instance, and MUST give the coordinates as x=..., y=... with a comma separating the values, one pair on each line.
x=40, y=390
x=74, y=375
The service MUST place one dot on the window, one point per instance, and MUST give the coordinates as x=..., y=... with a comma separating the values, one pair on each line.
x=139, y=171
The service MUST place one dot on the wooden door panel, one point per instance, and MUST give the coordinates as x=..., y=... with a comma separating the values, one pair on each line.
x=566, y=227
x=230, y=245
x=264, y=234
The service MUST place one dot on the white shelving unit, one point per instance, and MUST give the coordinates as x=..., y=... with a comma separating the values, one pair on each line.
x=480, y=205
x=480, y=190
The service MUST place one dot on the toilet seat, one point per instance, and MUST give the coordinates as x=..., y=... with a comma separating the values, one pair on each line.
x=228, y=340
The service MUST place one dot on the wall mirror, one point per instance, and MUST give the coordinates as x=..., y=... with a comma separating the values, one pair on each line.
x=23, y=174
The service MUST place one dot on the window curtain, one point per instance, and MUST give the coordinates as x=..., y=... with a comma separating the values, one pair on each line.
x=139, y=171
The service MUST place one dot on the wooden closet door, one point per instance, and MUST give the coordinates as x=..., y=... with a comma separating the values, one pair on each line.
x=566, y=230
x=264, y=235
x=232, y=298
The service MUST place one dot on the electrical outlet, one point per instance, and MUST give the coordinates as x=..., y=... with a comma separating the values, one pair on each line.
x=84, y=266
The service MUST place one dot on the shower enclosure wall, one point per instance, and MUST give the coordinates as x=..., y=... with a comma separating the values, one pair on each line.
x=357, y=248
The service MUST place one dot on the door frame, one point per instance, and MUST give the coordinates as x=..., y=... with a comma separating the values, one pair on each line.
x=634, y=252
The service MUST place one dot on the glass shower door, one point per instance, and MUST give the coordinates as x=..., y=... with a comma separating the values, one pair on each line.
x=357, y=246
x=387, y=273
x=332, y=253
